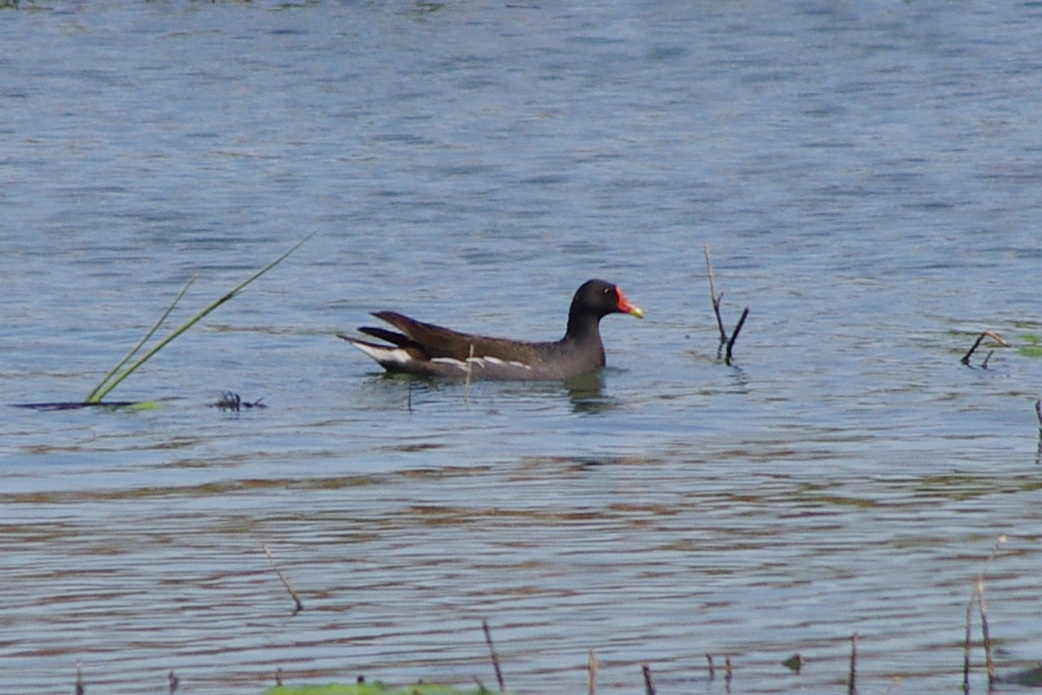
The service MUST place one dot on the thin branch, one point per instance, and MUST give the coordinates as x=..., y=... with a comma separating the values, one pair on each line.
x=649, y=688
x=984, y=334
x=967, y=644
x=990, y=664
x=852, y=683
x=470, y=367
x=988, y=661
x=285, y=583
x=495, y=658
x=714, y=296
x=592, y=674
x=734, y=336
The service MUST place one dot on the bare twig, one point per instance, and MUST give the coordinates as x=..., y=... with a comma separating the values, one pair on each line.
x=966, y=645
x=174, y=681
x=592, y=674
x=990, y=663
x=470, y=367
x=984, y=362
x=734, y=336
x=852, y=683
x=285, y=583
x=649, y=688
x=714, y=296
x=1038, y=412
x=492, y=651
x=984, y=334
x=278, y=676
x=727, y=672
x=79, y=678
x=712, y=670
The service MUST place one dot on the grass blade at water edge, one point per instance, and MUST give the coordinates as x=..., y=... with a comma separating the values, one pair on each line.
x=104, y=388
x=119, y=365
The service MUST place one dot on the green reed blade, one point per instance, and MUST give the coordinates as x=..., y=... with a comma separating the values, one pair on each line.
x=126, y=358
x=104, y=388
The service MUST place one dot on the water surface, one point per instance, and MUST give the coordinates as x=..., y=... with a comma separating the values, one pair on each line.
x=869, y=180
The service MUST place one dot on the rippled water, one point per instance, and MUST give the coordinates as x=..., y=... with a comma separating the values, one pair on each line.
x=867, y=177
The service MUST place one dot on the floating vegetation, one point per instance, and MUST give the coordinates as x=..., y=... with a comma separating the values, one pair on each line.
x=1032, y=346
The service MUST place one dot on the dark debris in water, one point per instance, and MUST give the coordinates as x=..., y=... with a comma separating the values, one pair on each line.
x=233, y=402
x=75, y=405
x=794, y=663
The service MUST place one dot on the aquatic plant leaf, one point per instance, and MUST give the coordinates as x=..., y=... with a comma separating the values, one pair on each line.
x=102, y=389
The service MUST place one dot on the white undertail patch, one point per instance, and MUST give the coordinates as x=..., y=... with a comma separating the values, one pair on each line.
x=386, y=355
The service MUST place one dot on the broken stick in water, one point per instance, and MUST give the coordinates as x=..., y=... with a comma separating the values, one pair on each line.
x=649, y=689
x=852, y=683
x=984, y=334
x=592, y=674
x=495, y=658
x=714, y=296
x=734, y=336
x=285, y=583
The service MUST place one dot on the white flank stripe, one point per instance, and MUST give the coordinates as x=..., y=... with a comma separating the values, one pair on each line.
x=479, y=362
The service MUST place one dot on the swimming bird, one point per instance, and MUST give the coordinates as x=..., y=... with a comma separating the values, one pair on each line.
x=430, y=350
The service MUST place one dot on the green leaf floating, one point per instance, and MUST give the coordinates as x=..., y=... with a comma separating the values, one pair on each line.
x=1033, y=347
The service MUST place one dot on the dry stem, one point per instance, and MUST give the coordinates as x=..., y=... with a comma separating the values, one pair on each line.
x=649, y=689
x=592, y=674
x=852, y=684
x=492, y=651
x=984, y=334
x=285, y=583
x=714, y=296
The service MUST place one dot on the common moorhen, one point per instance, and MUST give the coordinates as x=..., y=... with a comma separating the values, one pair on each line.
x=429, y=350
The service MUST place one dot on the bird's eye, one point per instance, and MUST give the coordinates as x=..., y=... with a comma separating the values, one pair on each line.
x=607, y=291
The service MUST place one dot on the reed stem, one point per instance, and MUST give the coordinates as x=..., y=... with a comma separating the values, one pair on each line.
x=110, y=382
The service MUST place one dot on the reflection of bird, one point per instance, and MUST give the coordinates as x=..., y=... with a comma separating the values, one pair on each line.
x=429, y=350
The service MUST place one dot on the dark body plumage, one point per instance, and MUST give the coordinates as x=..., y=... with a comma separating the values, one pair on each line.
x=430, y=350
